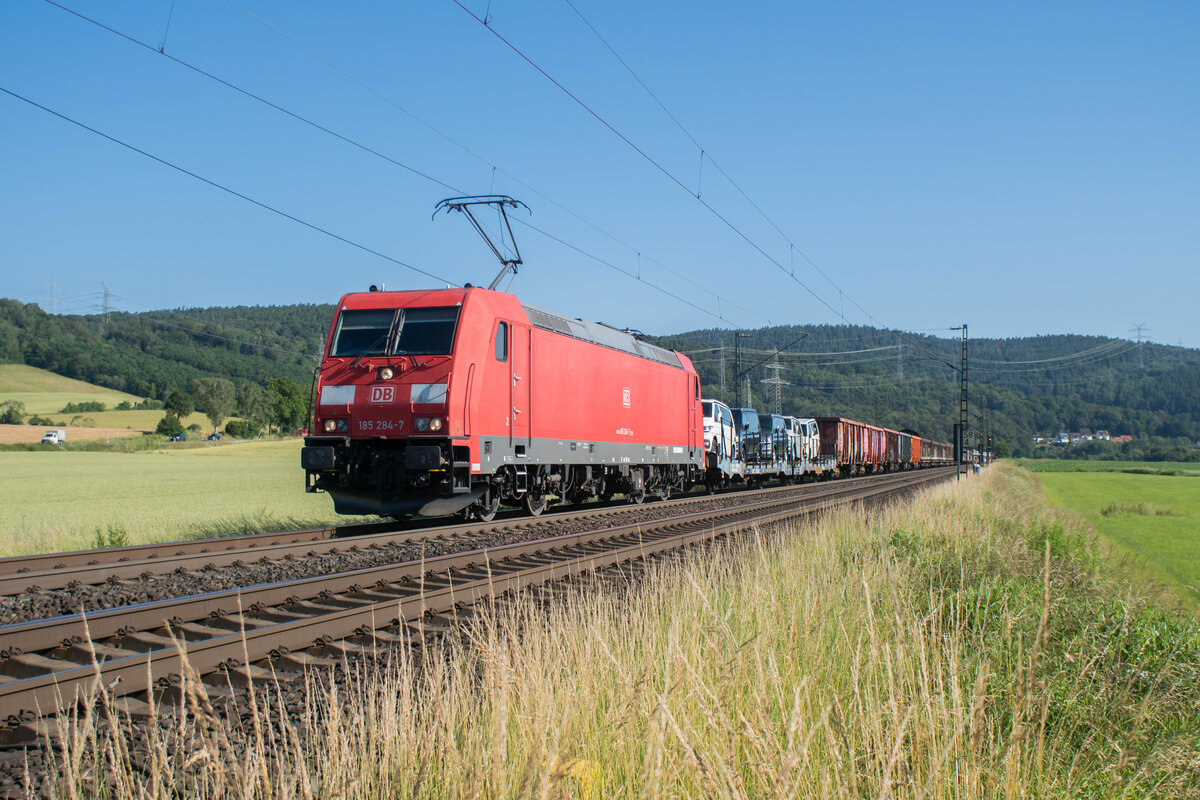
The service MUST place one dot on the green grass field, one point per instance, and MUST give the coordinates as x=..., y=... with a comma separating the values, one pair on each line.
x=1136, y=467
x=1154, y=519
x=56, y=500
x=45, y=393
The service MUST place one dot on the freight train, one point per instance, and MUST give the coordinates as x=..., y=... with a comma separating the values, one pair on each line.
x=457, y=400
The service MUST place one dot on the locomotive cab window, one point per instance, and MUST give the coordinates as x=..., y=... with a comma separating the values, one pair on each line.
x=363, y=333
x=395, y=331
x=502, y=341
x=426, y=331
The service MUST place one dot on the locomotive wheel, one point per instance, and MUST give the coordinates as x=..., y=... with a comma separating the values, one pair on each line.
x=485, y=510
x=535, y=502
x=638, y=497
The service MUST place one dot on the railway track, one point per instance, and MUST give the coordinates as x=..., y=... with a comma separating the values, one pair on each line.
x=23, y=575
x=276, y=631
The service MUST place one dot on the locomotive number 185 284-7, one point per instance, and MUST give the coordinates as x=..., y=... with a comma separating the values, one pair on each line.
x=378, y=425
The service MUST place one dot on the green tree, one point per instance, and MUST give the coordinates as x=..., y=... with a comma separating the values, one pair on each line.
x=288, y=402
x=253, y=405
x=180, y=404
x=12, y=412
x=214, y=398
x=169, y=425
x=241, y=429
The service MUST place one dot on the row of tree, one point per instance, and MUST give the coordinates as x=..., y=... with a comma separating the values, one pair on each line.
x=281, y=404
x=1017, y=388
x=153, y=354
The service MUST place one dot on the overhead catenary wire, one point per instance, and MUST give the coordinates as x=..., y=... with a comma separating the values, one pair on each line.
x=671, y=176
x=706, y=154
x=1095, y=358
x=257, y=97
x=680, y=183
x=409, y=168
x=234, y=192
x=175, y=314
x=1108, y=345
x=795, y=354
x=493, y=167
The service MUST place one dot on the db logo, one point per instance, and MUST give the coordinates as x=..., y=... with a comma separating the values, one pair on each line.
x=625, y=397
x=383, y=394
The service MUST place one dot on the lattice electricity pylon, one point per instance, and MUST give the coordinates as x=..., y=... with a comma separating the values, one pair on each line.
x=775, y=381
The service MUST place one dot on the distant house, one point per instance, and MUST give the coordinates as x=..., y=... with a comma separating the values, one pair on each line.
x=1103, y=435
x=1085, y=433
x=1125, y=438
x=1063, y=438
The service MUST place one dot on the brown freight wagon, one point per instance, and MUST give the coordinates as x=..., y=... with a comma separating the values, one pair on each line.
x=857, y=448
x=912, y=456
x=891, y=450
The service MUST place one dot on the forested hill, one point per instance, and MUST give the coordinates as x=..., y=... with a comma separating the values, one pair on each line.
x=1018, y=387
x=157, y=352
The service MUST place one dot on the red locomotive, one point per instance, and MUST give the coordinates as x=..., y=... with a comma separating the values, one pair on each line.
x=432, y=402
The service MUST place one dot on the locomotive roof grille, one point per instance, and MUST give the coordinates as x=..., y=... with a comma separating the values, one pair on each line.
x=601, y=334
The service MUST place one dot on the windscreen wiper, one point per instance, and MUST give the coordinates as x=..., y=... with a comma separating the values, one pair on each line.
x=385, y=338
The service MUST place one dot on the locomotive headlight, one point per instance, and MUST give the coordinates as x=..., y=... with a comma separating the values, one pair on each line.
x=386, y=373
x=335, y=426
x=426, y=424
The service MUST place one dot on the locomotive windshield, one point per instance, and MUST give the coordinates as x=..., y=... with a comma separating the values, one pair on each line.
x=363, y=333
x=395, y=331
x=426, y=331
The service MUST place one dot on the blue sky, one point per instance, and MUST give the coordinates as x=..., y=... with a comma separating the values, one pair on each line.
x=1026, y=167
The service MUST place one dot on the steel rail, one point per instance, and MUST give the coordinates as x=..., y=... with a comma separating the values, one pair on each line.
x=137, y=561
x=339, y=604
x=45, y=562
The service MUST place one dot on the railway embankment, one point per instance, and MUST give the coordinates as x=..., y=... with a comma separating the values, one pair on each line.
x=963, y=643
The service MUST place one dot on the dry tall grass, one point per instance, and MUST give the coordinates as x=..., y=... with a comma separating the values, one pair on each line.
x=958, y=646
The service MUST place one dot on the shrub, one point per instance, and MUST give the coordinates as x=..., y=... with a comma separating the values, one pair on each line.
x=80, y=408
x=12, y=412
x=115, y=536
x=242, y=429
x=169, y=425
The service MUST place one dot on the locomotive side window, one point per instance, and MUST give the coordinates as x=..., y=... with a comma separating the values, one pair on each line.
x=502, y=341
x=363, y=333
x=426, y=331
